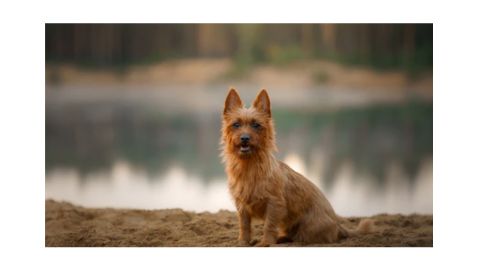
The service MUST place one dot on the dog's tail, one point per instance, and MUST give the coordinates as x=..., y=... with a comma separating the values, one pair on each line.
x=365, y=226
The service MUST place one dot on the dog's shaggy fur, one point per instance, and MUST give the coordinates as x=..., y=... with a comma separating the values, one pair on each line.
x=293, y=208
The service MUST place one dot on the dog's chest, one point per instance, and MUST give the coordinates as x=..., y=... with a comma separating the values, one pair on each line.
x=250, y=195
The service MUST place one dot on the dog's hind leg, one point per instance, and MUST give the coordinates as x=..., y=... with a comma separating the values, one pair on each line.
x=287, y=235
x=314, y=230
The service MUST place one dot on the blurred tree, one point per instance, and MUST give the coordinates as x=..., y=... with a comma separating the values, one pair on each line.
x=308, y=38
x=329, y=37
x=379, y=45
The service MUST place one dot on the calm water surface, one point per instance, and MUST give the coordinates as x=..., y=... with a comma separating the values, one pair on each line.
x=105, y=150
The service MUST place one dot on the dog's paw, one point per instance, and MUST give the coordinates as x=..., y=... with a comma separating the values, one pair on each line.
x=284, y=239
x=262, y=244
x=244, y=243
x=253, y=242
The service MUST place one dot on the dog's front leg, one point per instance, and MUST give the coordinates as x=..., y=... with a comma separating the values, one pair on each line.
x=245, y=222
x=274, y=214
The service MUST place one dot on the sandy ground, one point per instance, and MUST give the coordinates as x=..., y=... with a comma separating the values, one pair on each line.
x=67, y=225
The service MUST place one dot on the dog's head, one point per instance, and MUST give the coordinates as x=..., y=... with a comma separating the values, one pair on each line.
x=247, y=132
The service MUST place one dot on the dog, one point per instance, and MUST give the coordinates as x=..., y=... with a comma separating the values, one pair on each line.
x=293, y=209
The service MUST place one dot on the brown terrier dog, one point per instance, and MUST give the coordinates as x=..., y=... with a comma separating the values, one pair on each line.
x=293, y=208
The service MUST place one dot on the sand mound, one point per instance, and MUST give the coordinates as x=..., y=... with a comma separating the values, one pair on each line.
x=69, y=225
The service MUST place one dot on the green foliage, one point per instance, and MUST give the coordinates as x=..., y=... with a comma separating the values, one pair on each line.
x=283, y=55
x=320, y=77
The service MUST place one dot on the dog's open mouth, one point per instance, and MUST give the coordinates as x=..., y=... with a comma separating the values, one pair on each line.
x=244, y=148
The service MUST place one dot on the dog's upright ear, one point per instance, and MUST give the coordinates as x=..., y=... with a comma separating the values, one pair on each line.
x=262, y=103
x=232, y=102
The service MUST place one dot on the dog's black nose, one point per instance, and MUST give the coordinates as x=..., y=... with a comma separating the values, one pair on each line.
x=245, y=137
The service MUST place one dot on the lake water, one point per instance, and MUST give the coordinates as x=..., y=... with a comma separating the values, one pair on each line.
x=153, y=148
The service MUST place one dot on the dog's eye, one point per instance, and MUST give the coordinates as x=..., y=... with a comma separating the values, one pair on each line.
x=255, y=125
x=236, y=125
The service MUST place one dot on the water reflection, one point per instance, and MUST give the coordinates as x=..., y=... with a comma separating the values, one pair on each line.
x=108, y=149
x=126, y=187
